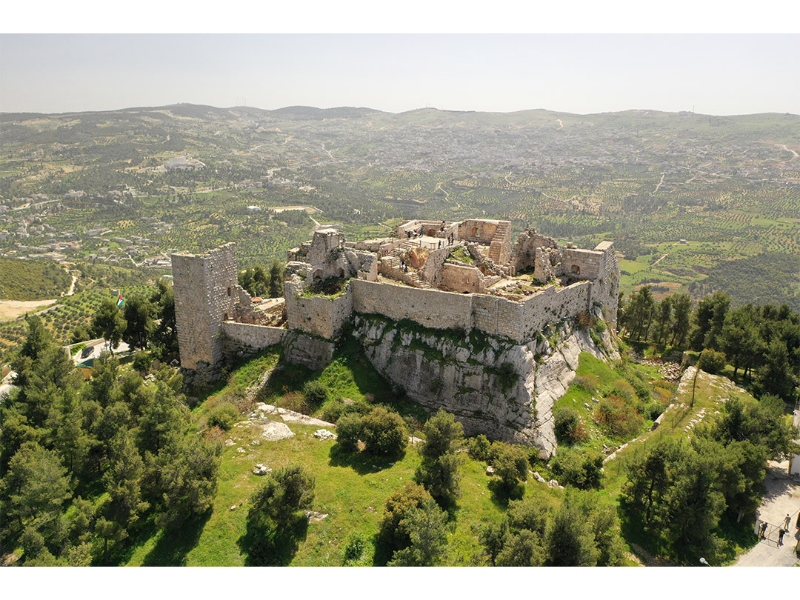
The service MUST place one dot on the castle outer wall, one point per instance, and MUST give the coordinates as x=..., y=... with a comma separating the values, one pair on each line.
x=207, y=296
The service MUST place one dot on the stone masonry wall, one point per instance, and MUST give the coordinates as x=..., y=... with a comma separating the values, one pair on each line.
x=552, y=305
x=431, y=308
x=497, y=316
x=605, y=290
x=317, y=315
x=485, y=230
x=588, y=263
x=246, y=338
x=205, y=292
x=462, y=278
x=491, y=314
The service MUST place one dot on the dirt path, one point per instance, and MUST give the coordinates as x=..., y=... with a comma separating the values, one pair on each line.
x=659, y=260
x=655, y=191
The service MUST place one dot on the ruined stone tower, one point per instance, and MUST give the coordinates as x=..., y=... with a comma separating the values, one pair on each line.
x=206, y=291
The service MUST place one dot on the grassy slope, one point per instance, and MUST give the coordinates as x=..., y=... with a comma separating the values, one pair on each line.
x=352, y=489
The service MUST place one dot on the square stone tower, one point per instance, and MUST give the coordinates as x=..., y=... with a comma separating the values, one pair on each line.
x=205, y=295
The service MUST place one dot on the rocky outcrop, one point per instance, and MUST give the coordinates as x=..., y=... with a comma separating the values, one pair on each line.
x=492, y=385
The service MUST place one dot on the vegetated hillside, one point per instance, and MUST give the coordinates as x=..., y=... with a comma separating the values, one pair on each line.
x=140, y=478
x=680, y=194
x=751, y=280
x=32, y=280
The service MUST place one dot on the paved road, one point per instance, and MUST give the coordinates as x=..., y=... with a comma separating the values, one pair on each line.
x=782, y=497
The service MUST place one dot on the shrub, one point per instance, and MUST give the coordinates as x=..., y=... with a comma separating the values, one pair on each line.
x=285, y=492
x=336, y=409
x=383, y=432
x=581, y=470
x=392, y=535
x=315, y=393
x=506, y=376
x=568, y=425
x=510, y=464
x=223, y=415
x=619, y=417
x=600, y=326
x=479, y=447
x=348, y=431
x=584, y=320
x=442, y=434
x=653, y=410
x=142, y=362
x=589, y=382
x=712, y=361
x=357, y=544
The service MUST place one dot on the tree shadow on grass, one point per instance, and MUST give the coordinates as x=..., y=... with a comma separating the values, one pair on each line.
x=383, y=550
x=173, y=545
x=265, y=544
x=361, y=462
x=501, y=495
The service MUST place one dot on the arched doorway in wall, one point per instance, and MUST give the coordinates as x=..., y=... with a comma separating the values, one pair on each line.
x=476, y=232
x=316, y=274
x=341, y=272
x=576, y=270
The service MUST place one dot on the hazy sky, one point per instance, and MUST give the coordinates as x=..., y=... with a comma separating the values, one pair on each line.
x=717, y=74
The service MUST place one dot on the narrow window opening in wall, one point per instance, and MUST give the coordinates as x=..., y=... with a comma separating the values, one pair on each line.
x=225, y=317
x=475, y=232
x=576, y=269
x=341, y=272
x=229, y=291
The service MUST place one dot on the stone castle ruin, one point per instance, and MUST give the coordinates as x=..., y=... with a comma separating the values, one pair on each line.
x=455, y=313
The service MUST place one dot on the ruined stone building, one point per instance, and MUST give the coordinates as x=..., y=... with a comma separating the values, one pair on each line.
x=478, y=299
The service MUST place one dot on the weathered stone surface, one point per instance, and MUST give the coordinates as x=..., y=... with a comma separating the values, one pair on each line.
x=324, y=434
x=273, y=431
x=453, y=375
x=308, y=351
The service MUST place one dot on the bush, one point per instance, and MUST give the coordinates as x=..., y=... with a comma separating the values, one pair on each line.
x=653, y=410
x=354, y=549
x=383, y=432
x=712, y=361
x=618, y=416
x=315, y=394
x=335, y=409
x=392, y=535
x=223, y=415
x=441, y=478
x=584, y=320
x=285, y=492
x=589, y=382
x=348, y=431
x=582, y=470
x=142, y=362
x=442, y=435
x=568, y=425
x=510, y=464
x=479, y=447
x=506, y=376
